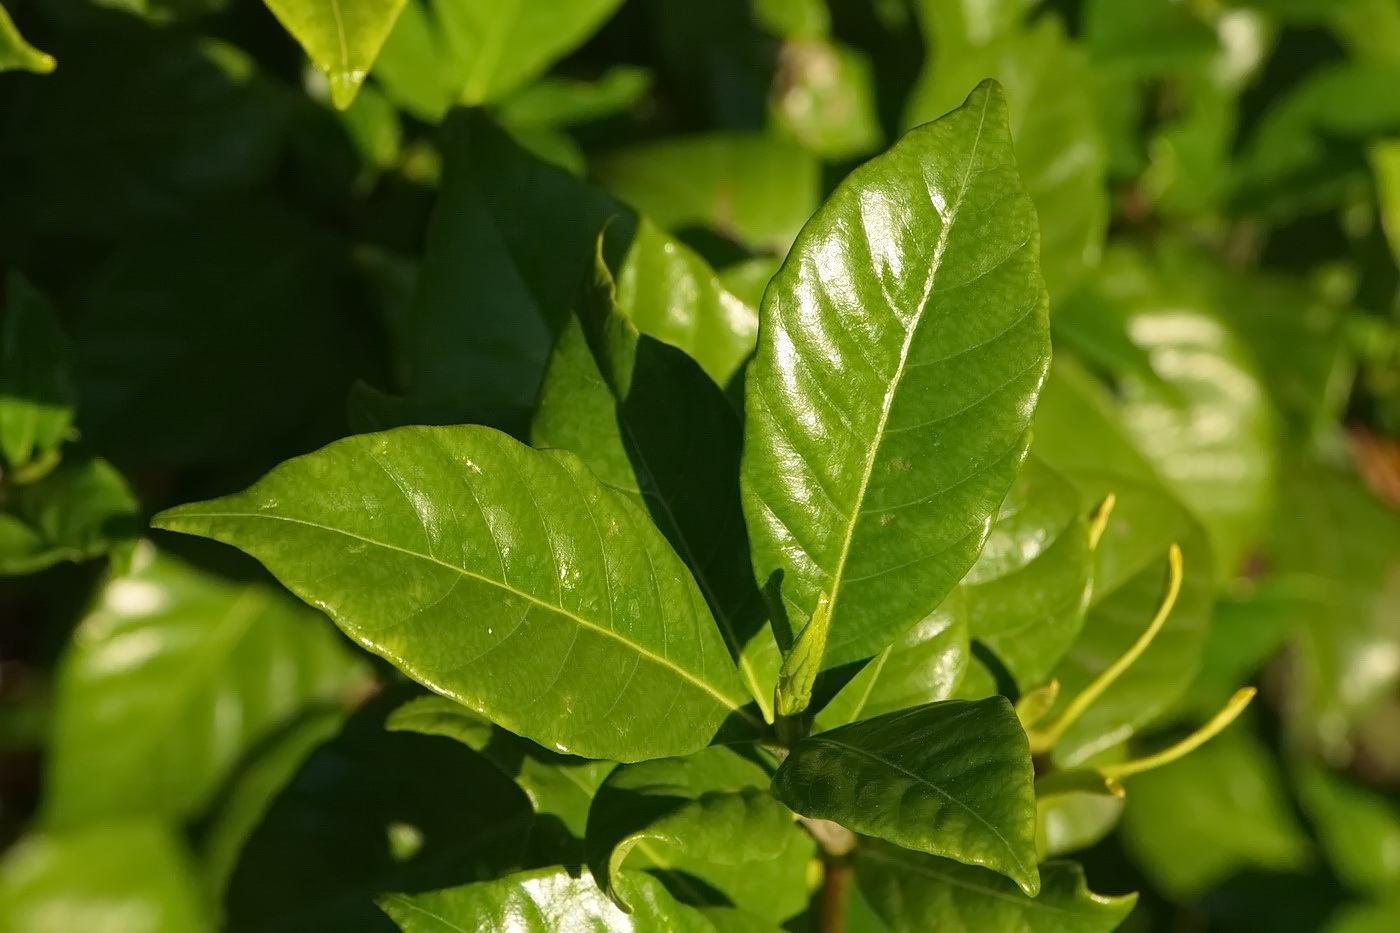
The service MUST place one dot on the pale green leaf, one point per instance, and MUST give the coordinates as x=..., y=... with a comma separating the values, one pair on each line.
x=916, y=893
x=341, y=37
x=1358, y=828
x=502, y=577
x=122, y=877
x=824, y=98
x=902, y=348
x=171, y=677
x=950, y=778
x=17, y=54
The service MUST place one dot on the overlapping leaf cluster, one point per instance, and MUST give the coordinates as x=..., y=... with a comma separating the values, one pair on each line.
x=773, y=489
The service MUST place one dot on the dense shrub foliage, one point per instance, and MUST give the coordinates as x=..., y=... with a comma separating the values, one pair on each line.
x=881, y=466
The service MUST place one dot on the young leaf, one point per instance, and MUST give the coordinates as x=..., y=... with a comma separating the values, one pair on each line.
x=17, y=54
x=36, y=385
x=903, y=346
x=916, y=893
x=951, y=779
x=342, y=37
x=926, y=664
x=133, y=872
x=505, y=578
x=647, y=421
x=705, y=817
x=545, y=900
x=165, y=686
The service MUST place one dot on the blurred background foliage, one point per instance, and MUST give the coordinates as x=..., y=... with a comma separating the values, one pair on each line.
x=209, y=268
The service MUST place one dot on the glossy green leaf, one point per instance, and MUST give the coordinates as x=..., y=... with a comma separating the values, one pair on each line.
x=646, y=420
x=1059, y=151
x=754, y=189
x=669, y=293
x=509, y=609
x=950, y=778
x=172, y=676
x=36, y=385
x=17, y=54
x=370, y=813
x=709, y=818
x=342, y=37
x=495, y=284
x=1193, y=823
x=1358, y=829
x=545, y=900
x=903, y=346
x=122, y=877
x=560, y=786
x=81, y=510
x=1027, y=593
x=926, y=664
x=915, y=893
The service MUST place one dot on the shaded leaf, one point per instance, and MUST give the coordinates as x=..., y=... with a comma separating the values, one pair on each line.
x=950, y=778
x=914, y=893
x=903, y=346
x=509, y=609
x=36, y=384
x=81, y=510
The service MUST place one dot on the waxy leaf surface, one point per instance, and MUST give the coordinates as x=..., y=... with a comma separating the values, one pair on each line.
x=902, y=347
x=500, y=576
x=915, y=893
x=950, y=778
x=341, y=37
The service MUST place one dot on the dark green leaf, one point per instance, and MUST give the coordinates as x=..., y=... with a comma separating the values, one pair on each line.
x=502, y=577
x=123, y=877
x=916, y=893
x=903, y=346
x=950, y=778
x=171, y=678
x=36, y=385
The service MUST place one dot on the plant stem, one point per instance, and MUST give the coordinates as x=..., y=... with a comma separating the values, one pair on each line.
x=836, y=884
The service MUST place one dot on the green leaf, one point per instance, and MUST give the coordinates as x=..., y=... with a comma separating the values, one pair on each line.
x=1194, y=822
x=1202, y=418
x=17, y=54
x=502, y=577
x=122, y=877
x=926, y=664
x=1050, y=106
x=754, y=189
x=950, y=778
x=342, y=37
x=647, y=421
x=916, y=893
x=903, y=346
x=1027, y=593
x=545, y=900
x=559, y=786
x=1335, y=549
x=82, y=510
x=496, y=284
x=709, y=818
x=1367, y=918
x=326, y=848
x=669, y=293
x=794, y=19
x=36, y=385
x=173, y=676
x=1385, y=163
x=1358, y=829
x=1147, y=37
x=556, y=102
x=799, y=672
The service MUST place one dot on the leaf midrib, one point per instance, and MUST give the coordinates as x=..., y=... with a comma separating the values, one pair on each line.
x=657, y=659
x=887, y=404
